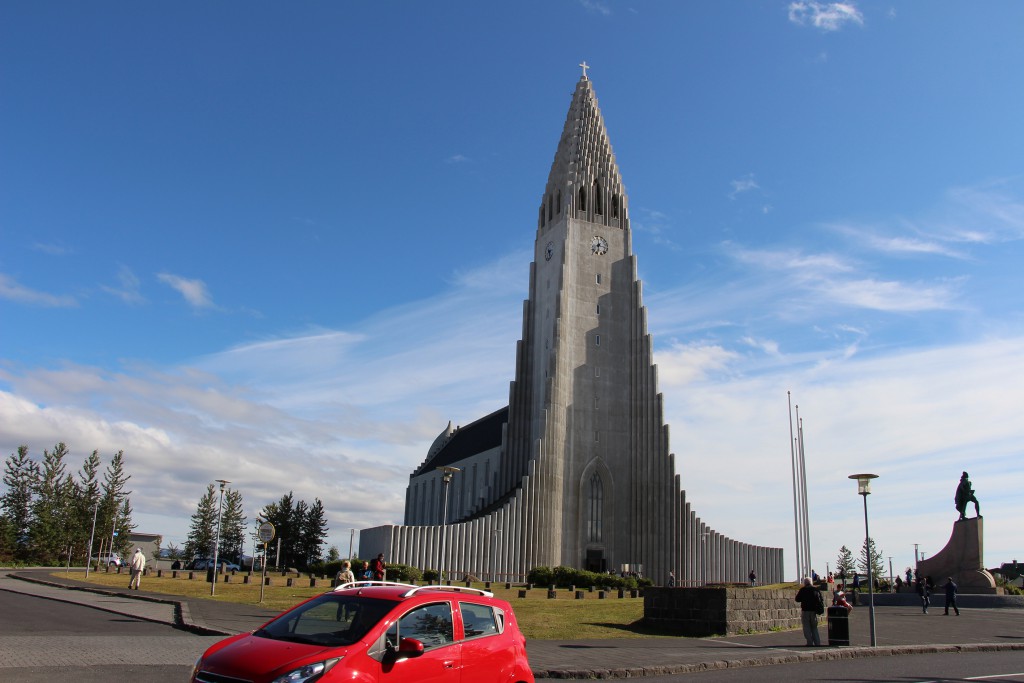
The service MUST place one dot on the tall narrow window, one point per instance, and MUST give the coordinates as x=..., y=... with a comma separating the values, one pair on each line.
x=597, y=339
x=559, y=201
x=599, y=278
x=598, y=209
x=551, y=208
x=583, y=199
x=542, y=216
x=615, y=206
x=599, y=309
x=595, y=508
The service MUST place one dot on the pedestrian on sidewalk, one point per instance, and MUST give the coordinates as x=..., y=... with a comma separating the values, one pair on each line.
x=951, y=589
x=811, y=605
x=138, y=565
x=922, y=590
x=753, y=578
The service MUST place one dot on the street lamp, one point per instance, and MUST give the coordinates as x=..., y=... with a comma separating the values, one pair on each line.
x=864, y=489
x=446, y=477
x=216, y=543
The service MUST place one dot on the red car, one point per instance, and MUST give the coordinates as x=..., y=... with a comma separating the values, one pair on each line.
x=378, y=632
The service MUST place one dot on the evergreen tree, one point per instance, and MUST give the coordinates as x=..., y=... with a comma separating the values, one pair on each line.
x=232, y=525
x=204, y=527
x=333, y=554
x=21, y=475
x=87, y=499
x=115, y=526
x=313, y=533
x=282, y=515
x=51, y=508
x=844, y=563
x=877, y=569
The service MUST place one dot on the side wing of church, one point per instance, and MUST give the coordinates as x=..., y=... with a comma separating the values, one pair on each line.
x=576, y=471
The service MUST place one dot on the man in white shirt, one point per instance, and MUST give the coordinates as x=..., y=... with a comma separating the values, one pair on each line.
x=138, y=565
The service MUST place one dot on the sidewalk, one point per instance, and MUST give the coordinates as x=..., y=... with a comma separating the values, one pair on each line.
x=899, y=630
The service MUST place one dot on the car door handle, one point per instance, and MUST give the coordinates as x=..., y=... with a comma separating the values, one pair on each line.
x=448, y=663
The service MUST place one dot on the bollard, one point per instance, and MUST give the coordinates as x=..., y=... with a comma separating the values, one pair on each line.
x=522, y=593
x=266, y=582
x=508, y=586
x=579, y=595
x=600, y=595
x=312, y=583
x=245, y=579
x=289, y=582
x=634, y=593
x=227, y=578
x=191, y=575
x=552, y=594
x=622, y=592
x=159, y=573
x=174, y=574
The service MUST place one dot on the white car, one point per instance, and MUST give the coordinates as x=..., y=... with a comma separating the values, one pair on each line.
x=109, y=559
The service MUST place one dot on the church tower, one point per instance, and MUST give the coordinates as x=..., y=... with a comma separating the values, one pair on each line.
x=576, y=471
x=584, y=403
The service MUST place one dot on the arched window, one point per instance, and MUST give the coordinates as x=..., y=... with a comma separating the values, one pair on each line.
x=583, y=199
x=595, y=509
x=615, y=206
x=598, y=209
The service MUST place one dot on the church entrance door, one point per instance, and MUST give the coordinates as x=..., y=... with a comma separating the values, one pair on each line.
x=595, y=560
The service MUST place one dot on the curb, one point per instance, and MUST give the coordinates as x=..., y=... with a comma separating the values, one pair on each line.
x=818, y=656
x=182, y=613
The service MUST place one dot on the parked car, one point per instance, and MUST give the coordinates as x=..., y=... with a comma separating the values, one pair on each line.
x=109, y=559
x=204, y=563
x=374, y=631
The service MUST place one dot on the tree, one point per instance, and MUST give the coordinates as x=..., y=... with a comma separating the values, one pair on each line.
x=51, y=507
x=283, y=516
x=21, y=474
x=333, y=554
x=203, y=528
x=232, y=524
x=114, y=510
x=87, y=499
x=877, y=570
x=844, y=563
x=312, y=533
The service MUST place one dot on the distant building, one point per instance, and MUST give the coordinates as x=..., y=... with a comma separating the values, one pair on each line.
x=150, y=544
x=576, y=471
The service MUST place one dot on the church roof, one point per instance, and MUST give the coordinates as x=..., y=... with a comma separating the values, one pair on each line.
x=584, y=155
x=463, y=442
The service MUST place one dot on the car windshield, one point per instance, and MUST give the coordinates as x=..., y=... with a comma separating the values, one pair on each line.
x=330, y=620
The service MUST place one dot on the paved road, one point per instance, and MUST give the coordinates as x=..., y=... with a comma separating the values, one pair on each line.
x=1003, y=667
x=45, y=640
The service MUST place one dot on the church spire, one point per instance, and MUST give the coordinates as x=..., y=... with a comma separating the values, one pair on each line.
x=584, y=179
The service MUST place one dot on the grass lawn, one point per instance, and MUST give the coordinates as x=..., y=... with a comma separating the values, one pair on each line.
x=562, y=618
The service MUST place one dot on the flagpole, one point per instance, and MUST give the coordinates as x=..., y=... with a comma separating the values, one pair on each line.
x=796, y=504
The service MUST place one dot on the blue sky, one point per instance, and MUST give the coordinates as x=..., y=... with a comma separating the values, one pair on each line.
x=285, y=244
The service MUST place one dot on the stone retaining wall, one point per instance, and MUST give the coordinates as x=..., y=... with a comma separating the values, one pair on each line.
x=720, y=611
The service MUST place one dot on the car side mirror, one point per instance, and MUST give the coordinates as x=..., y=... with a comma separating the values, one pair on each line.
x=409, y=647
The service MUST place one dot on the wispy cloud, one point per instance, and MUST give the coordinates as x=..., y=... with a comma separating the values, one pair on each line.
x=12, y=291
x=128, y=291
x=744, y=184
x=457, y=159
x=596, y=6
x=194, y=291
x=830, y=16
x=52, y=249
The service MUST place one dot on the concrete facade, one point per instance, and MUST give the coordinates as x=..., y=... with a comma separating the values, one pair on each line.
x=700, y=612
x=577, y=470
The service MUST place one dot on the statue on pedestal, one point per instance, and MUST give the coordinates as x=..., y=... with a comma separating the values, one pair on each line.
x=965, y=495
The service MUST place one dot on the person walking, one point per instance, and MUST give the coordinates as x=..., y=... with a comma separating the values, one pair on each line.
x=137, y=567
x=378, y=567
x=753, y=578
x=922, y=590
x=811, y=605
x=345, y=574
x=671, y=579
x=951, y=589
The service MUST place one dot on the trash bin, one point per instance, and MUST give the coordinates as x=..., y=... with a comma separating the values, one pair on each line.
x=838, y=626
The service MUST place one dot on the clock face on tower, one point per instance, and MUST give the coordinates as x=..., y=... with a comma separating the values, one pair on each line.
x=549, y=250
x=599, y=246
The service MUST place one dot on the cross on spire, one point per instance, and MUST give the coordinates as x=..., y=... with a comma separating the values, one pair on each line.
x=585, y=67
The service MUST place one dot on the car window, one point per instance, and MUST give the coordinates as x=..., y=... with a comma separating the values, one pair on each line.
x=478, y=620
x=329, y=620
x=429, y=624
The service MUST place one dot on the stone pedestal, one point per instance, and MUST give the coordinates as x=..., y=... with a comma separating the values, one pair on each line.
x=962, y=559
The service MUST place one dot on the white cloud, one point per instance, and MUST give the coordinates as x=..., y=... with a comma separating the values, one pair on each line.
x=596, y=6
x=194, y=291
x=12, y=291
x=128, y=292
x=457, y=159
x=830, y=16
x=741, y=185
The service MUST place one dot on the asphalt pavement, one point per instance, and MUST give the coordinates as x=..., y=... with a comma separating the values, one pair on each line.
x=898, y=630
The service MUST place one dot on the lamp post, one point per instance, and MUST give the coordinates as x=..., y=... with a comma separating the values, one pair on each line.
x=864, y=489
x=446, y=477
x=216, y=543
x=494, y=555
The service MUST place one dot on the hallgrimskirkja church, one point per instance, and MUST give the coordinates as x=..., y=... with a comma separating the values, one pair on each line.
x=576, y=470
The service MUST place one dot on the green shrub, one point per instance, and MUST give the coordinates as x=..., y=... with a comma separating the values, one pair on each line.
x=563, y=577
x=404, y=573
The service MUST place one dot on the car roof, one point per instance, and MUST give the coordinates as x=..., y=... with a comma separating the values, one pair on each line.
x=391, y=590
